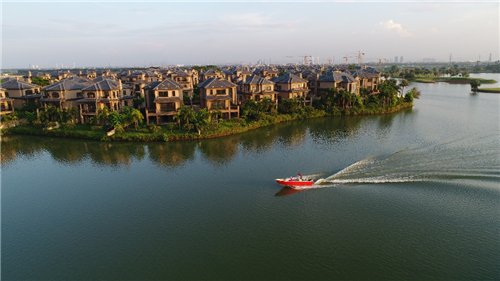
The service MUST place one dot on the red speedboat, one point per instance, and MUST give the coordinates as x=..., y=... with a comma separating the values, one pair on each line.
x=294, y=182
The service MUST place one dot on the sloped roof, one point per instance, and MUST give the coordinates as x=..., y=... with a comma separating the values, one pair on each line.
x=18, y=85
x=255, y=80
x=101, y=78
x=182, y=73
x=216, y=83
x=104, y=85
x=363, y=74
x=288, y=78
x=74, y=83
x=166, y=84
x=337, y=77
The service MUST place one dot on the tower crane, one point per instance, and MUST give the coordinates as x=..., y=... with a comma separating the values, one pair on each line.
x=359, y=57
x=329, y=61
x=347, y=56
x=305, y=58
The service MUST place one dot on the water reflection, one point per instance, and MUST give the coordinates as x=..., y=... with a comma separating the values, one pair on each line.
x=172, y=154
x=287, y=191
x=217, y=151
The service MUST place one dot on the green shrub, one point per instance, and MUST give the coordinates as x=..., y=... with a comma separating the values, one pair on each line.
x=96, y=128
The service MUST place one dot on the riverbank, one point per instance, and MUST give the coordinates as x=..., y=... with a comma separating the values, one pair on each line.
x=489, y=90
x=452, y=80
x=213, y=130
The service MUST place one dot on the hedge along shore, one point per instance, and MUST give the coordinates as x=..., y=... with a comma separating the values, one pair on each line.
x=225, y=128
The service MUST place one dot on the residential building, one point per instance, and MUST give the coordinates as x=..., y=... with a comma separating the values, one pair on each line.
x=290, y=86
x=21, y=92
x=65, y=93
x=6, y=104
x=338, y=80
x=368, y=78
x=163, y=98
x=257, y=88
x=106, y=93
x=219, y=94
x=211, y=73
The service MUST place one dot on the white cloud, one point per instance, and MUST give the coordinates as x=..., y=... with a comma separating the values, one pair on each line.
x=391, y=25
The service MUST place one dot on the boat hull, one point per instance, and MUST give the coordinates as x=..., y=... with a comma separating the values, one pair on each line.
x=294, y=184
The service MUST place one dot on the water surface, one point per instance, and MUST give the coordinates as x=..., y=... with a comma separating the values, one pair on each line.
x=407, y=196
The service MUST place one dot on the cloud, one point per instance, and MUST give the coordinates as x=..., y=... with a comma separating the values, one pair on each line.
x=391, y=25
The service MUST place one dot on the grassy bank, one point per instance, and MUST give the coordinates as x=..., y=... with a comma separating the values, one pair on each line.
x=464, y=80
x=213, y=130
x=423, y=80
x=489, y=90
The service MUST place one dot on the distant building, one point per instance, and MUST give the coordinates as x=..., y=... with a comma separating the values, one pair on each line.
x=401, y=59
x=429, y=60
x=396, y=59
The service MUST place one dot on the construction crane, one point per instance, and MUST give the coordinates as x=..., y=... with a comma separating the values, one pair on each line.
x=329, y=61
x=305, y=58
x=347, y=56
x=380, y=59
x=359, y=57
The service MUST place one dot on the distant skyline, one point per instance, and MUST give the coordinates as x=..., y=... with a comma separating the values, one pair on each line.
x=107, y=34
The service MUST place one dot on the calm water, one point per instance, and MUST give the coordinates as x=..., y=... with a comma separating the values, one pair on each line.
x=408, y=196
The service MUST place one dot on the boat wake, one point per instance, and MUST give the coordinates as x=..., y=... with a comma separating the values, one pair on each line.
x=452, y=161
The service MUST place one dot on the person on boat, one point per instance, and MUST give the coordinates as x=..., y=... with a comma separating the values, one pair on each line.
x=300, y=176
x=291, y=179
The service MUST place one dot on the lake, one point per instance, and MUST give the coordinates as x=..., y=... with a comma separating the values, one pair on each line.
x=413, y=195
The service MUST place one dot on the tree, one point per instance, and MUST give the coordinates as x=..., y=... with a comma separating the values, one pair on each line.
x=132, y=115
x=40, y=81
x=404, y=83
x=352, y=66
x=474, y=84
x=102, y=115
x=200, y=119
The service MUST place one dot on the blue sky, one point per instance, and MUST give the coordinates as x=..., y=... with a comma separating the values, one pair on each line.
x=101, y=34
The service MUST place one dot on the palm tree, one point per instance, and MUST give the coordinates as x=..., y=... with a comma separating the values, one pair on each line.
x=200, y=119
x=102, y=114
x=404, y=83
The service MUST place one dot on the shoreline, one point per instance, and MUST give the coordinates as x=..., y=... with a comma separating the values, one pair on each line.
x=229, y=127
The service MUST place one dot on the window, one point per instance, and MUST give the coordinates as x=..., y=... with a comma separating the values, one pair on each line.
x=230, y=91
x=211, y=92
x=268, y=88
x=167, y=107
x=6, y=94
x=55, y=95
x=124, y=93
x=91, y=95
x=221, y=92
x=29, y=92
x=221, y=104
x=79, y=95
x=163, y=94
x=174, y=94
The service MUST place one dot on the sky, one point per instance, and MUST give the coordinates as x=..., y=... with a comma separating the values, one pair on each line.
x=116, y=33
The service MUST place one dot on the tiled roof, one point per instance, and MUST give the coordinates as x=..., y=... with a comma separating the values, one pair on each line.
x=167, y=84
x=104, y=85
x=74, y=83
x=216, y=83
x=337, y=77
x=101, y=78
x=255, y=80
x=18, y=85
x=288, y=78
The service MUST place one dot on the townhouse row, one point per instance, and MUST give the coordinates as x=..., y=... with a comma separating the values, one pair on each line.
x=163, y=90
